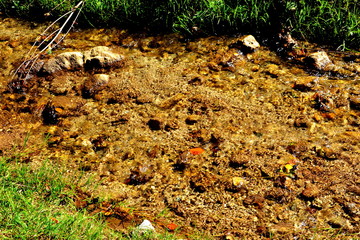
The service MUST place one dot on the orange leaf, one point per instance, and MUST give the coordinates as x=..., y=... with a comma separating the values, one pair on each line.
x=196, y=151
x=172, y=226
x=59, y=110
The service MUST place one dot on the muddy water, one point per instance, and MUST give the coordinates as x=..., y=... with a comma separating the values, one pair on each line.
x=196, y=133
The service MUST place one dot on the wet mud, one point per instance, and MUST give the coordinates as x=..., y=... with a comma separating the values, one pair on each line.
x=195, y=132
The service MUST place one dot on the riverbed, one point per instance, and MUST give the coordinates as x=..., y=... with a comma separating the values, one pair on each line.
x=194, y=131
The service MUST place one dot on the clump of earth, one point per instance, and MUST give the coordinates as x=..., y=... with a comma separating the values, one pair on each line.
x=194, y=132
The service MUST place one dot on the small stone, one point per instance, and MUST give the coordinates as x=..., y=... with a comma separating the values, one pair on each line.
x=311, y=191
x=355, y=102
x=328, y=115
x=192, y=119
x=229, y=237
x=320, y=60
x=214, y=66
x=339, y=222
x=14, y=43
x=272, y=70
x=305, y=84
x=353, y=209
x=68, y=105
x=102, y=78
x=354, y=189
x=238, y=181
x=284, y=182
x=172, y=101
x=155, y=124
x=196, y=80
x=237, y=185
x=239, y=159
x=145, y=226
x=145, y=98
x=302, y=122
x=327, y=153
x=228, y=66
x=53, y=130
x=282, y=228
x=247, y=44
x=298, y=149
x=256, y=200
x=317, y=117
x=94, y=84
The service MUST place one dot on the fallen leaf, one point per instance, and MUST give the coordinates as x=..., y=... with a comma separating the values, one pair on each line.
x=172, y=226
x=196, y=151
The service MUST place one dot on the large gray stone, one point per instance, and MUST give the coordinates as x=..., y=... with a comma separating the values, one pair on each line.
x=101, y=57
x=64, y=61
x=97, y=57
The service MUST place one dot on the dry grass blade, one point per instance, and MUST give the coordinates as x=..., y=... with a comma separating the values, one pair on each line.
x=47, y=41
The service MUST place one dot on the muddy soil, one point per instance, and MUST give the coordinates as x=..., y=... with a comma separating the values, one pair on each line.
x=195, y=132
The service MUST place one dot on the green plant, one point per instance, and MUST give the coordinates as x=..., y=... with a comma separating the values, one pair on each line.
x=37, y=204
x=325, y=21
x=331, y=22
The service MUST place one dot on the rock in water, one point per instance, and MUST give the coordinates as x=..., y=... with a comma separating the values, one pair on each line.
x=97, y=57
x=94, y=84
x=101, y=57
x=320, y=60
x=247, y=44
x=67, y=60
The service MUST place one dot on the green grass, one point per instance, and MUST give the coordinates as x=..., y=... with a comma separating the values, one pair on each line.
x=36, y=204
x=334, y=22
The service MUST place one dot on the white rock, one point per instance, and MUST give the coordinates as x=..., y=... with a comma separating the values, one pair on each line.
x=145, y=226
x=320, y=60
x=247, y=43
x=250, y=42
x=102, y=79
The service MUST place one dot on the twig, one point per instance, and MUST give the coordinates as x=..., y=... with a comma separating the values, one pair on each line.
x=34, y=54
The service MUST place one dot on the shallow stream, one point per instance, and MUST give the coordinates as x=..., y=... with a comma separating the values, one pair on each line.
x=196, y=132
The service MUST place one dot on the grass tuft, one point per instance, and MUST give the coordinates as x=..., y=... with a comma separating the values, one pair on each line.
x=334, y=22
x=36, y=204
